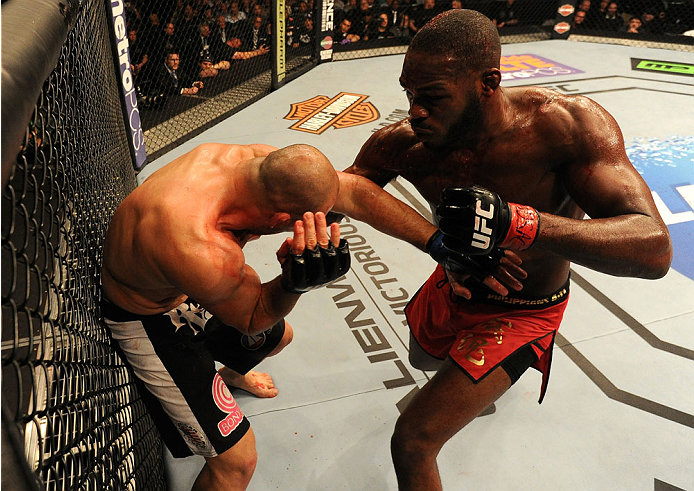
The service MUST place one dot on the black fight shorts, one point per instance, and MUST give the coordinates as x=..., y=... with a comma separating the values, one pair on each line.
x=173, y=357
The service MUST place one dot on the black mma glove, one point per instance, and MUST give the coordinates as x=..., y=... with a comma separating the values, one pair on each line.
x=478, y=266
x=313, y=268
x=475, y=220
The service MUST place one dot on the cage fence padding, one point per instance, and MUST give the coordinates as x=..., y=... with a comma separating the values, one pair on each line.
x=67, y=393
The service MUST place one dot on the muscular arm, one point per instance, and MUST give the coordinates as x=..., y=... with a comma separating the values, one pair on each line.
x=255, y=306
x=217, y=277
x=625, y=235
x=361, y=199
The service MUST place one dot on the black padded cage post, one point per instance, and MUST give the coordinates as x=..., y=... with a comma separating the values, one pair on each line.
x=279, y=46
x=72, y=416
x=294, y=44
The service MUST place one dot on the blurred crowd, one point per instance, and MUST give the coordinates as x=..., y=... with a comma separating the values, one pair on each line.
x=656, y=17
x=179, y=46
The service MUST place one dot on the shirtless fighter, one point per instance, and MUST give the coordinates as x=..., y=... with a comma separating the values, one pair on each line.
x=512, y=169
x=174, y=281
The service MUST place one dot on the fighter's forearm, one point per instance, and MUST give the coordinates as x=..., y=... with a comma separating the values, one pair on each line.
x=273, y=304
x=365, y=201
x=629, y=245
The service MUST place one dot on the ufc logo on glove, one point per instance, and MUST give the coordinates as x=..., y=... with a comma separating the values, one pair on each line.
x=474, y=221
x=483, y=237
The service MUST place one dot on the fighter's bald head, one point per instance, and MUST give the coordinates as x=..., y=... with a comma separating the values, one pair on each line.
x=299, y=178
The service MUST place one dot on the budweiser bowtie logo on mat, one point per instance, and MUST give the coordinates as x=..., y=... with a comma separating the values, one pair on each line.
x=341, y=111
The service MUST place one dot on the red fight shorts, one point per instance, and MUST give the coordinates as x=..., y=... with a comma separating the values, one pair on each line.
x=479, y=334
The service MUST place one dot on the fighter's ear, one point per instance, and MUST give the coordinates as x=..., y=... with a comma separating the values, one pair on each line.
x=491, y=78
x=281, y=221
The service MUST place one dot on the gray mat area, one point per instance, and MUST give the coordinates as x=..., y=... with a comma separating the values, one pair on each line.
x=619, y=412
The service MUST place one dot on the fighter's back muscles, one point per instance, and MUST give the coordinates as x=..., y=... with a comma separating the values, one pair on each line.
x=160, y=250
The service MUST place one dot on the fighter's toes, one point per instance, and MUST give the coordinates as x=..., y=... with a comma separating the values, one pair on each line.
x=257, y=383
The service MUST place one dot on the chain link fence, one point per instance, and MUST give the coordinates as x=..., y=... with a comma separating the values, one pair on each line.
x=196, y=63
x=68, y=399
x=75, y=416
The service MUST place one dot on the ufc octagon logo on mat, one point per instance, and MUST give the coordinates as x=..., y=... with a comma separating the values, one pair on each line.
x=341, y=111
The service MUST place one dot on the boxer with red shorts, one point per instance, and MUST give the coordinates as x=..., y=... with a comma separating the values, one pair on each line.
x=512, y=173
x=514, y=331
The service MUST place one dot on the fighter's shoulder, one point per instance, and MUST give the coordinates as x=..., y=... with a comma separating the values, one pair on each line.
x=387, y=144
x=232, y=151
x=570, y=116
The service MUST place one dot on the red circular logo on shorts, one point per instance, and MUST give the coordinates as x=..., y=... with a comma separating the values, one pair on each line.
x=222, y=396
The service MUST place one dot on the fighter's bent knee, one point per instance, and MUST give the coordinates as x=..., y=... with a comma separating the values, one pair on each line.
x=236, y=465
x=287, y=338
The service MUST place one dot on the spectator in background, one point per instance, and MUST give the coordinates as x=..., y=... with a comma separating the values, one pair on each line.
x=506, y=15
x=584, y=5
x=350, y=6
x=188, y=27
x=255, y=34
x=208, y=69
x=168, y=43
x=138, y=56
x=208, y=14
x=168, y=79
x=393, y=12
x=310, y=5
x=301, y=12
x=595, y=16
x=151, y=31
x=219, y=36
x=380, y=28
x=456, y=4
x=259, y=11
x=579, y=22
x=651, y=22
x=402, y=29
x=613, y=20
x=343, y=35
x=246, y=6
x=421, y=15
x=289, y=26
x=133, y=14
x=203, y=42
x=361, y=18
x=221, y=8
x=305, y=37
x=235, y=15
x=634, y=26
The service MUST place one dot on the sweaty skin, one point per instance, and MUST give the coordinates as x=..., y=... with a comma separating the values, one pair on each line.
x=182, y=231
x=563, y=155
x=190, y=239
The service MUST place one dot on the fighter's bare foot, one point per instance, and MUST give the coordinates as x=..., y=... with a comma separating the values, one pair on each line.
x=257, y=383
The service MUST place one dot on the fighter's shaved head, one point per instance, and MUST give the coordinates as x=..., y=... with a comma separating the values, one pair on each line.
x=463, y=35
x=299, y=178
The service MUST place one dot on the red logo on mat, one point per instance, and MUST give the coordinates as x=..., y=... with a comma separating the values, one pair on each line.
x=566, y=9
x=562, y=27
x=225, y=401
x=321, y=112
